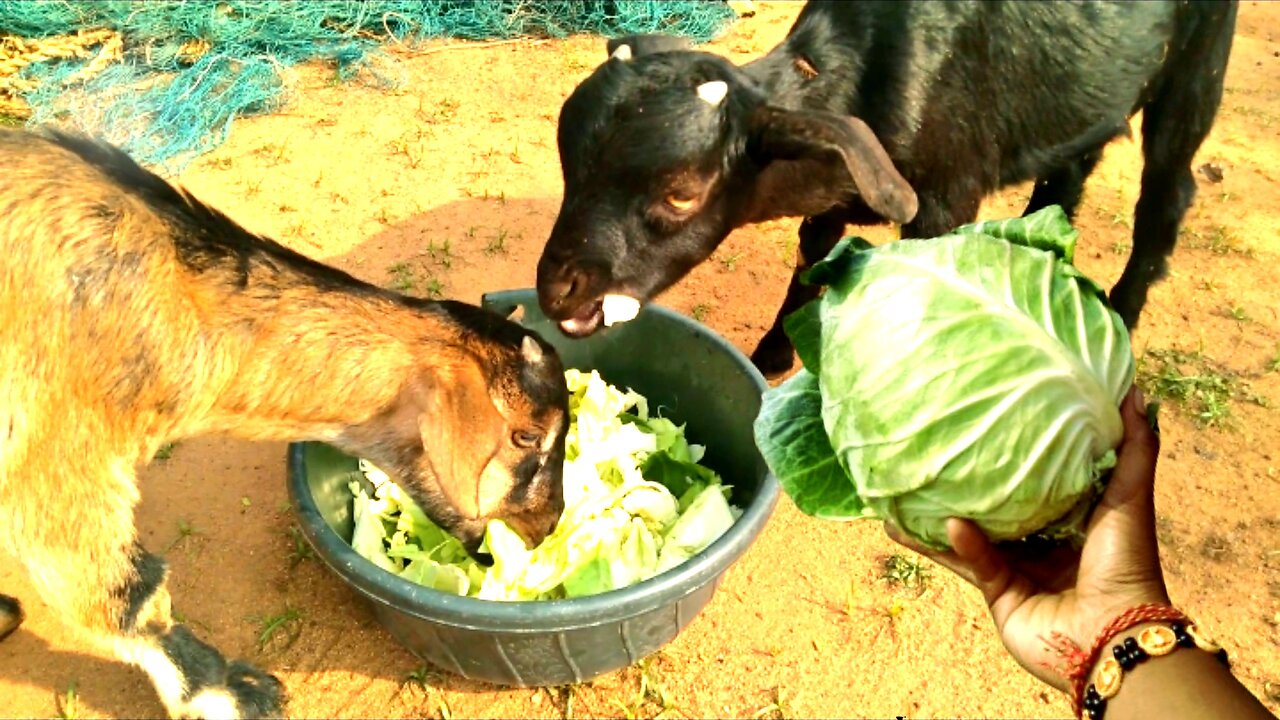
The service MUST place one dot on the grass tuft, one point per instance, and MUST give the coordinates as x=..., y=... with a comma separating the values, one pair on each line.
x=1196, y=383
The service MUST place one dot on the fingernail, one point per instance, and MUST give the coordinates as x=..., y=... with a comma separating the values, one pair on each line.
x=1139, y=402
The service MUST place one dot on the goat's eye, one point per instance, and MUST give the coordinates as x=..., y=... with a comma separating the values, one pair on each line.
x=680, y=202
x=526, y=438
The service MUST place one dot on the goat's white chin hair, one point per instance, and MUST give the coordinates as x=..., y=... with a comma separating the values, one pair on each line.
x=623, y=53
x=714, y=91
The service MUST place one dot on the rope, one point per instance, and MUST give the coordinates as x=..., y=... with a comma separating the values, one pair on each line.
x=16, y=54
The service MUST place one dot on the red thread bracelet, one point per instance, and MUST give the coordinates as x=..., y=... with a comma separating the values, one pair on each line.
x=1077, y=663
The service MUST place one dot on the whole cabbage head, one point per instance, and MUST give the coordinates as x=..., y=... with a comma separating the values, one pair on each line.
x=976, y=375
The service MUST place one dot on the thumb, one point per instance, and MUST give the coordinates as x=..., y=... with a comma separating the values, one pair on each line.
x=1126, y=513
x=1133, y=478
x=1121, y=558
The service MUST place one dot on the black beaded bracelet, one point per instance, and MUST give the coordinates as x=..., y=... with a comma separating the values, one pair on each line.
x=1150, y=642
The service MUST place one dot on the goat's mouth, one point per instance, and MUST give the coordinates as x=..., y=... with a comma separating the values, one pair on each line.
x=609, y=310
x=586, y=321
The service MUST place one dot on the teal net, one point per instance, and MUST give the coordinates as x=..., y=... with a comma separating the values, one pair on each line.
x=190, y=67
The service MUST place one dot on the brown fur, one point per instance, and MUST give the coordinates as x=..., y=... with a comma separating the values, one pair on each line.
x=131, y=315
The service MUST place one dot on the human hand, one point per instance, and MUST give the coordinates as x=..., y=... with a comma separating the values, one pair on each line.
x=1072, y=592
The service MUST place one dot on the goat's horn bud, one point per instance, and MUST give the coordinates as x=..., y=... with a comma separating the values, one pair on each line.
x=531, y=350
x=713, y=92
x=623, y=53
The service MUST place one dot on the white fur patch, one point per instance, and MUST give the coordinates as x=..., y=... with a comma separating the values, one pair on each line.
x=213, y=704
x=714, y=91
x=623, y=53
x=167, y=678
x=619, y=308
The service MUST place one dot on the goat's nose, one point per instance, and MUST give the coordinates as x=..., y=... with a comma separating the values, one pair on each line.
x=532, y=529
x=552, y=522
x=564, y=288
x=557, y=288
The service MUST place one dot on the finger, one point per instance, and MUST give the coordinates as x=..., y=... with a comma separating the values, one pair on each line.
x=1133, y=479
x=1124, y=522
x=992, y=574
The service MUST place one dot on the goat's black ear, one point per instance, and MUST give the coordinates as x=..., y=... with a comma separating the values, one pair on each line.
x=646, y=45
x=827, y=142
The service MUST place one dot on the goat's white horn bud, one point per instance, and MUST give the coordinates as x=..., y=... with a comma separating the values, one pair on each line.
x=713, y=92
x=623, y=53
x=531, y=350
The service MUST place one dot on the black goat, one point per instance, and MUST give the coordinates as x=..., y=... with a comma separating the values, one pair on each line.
x=910, y=112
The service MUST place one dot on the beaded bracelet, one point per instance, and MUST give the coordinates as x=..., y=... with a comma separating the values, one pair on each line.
x=1076, y=661
x=1152, y=641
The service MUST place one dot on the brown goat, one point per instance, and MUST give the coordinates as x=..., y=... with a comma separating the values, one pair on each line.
x=131, y=315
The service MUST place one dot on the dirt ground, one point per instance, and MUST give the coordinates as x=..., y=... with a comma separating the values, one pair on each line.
x=450, y=185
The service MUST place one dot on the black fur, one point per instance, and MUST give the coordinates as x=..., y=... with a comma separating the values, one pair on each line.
x=11, y=615
x=964, y=97
x=148, y=575
x=201, y=665
x=256, y=693
x=544, y=382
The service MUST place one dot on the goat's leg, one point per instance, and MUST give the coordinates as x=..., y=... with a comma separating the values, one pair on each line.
x=940, y=213
x=1174, y=124
x=775, y=354
x=85, y=561
x=1064, y=185
x=10, y=615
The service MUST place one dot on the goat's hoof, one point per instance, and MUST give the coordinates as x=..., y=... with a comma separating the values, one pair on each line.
x=773, y=362
x=11, y=615
x=247, y=693
x=258, y=694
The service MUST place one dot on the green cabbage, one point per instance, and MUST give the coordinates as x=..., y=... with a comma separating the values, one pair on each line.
x=974, y=375
x=637, y=503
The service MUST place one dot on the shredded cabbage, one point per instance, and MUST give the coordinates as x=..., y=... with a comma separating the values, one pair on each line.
x=637, y=503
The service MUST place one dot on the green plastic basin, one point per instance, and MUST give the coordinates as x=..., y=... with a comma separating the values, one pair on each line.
x=695, y=377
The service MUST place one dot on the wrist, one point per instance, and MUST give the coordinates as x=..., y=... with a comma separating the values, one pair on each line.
x=1121, y=614
x=1107, y=652
x=1109, y=611
x=1079, y=664
x=1120, y=654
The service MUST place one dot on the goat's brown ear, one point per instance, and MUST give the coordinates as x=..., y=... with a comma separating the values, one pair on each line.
x=637, y=45
x=804, y=137
x=462, y=432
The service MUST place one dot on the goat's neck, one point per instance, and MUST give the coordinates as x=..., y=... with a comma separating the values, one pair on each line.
x=309, y=364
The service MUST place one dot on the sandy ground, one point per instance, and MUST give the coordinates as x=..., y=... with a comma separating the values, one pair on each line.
x=450, y=186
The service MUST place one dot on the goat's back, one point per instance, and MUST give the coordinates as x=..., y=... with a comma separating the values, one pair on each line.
x=1005, y=86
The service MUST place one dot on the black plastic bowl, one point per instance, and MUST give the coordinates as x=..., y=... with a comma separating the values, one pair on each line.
x=682, y=367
